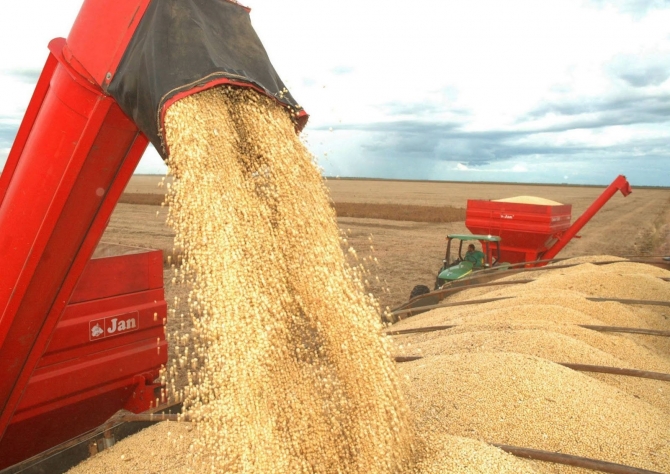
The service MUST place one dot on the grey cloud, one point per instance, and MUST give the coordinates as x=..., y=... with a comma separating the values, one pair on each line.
x=641, y=71
x=434, y=140
x=415, y=133
x=605, y=112
x=411, y=144
x=397, y=126
x=431, y=139
x=447, y=141
x=29, y=76
x=652, y=76
x=411, y=108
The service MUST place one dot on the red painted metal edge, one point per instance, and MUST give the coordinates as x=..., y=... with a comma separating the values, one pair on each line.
x=40, y=92
x=81, y=152
x=101, y=33
x=29, y=361
x=239, y=5
x=86, y=250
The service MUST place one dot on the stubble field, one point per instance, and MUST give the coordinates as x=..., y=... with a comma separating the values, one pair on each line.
x=409, y=252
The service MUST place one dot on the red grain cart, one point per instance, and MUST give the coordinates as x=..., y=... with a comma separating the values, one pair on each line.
x=531, y=232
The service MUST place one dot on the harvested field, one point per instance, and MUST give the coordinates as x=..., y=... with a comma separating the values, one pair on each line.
x=397, y=212
x=410, y=252
x=144, y=199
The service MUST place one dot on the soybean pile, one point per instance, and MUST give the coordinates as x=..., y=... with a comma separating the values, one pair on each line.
x=495, y=376
x=290, y=371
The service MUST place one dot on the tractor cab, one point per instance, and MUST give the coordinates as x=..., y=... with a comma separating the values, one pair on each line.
x=464, y=262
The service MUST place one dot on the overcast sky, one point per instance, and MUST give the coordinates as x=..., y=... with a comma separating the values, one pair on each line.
x=527, y=91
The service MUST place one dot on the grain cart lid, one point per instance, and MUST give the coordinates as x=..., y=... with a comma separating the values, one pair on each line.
x=182, y=47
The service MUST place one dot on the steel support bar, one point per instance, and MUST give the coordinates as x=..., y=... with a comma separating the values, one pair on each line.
x=619, y=184
x=648, y=332
x=617, y=371
x=570, y=460
x=68, y=454
x=449, y=305
x=629, y=301
x=418, y=330
x=449, y=291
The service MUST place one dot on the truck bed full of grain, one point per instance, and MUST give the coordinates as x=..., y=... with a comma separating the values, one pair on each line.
x=496, y=378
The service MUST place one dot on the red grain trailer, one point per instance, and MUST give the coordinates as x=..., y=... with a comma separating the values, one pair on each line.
x=526, y=230
x=531, y=232
x=104, y=354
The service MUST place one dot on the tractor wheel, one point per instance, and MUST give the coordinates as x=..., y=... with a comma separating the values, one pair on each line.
x=419, y=290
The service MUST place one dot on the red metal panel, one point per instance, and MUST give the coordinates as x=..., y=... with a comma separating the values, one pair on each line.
x=36, y=192
x=101, y=32
x=72, y=158
x=526, y=230
x=79, y=373
x=73, y=335
x=34, y=435
x=105, y=277
x=41, y=89
x=55, y=383
x=530, y=231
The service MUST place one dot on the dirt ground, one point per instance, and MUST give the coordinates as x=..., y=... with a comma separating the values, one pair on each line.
x=410, y=253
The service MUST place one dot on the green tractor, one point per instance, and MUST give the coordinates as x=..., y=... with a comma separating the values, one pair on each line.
x=464, y=262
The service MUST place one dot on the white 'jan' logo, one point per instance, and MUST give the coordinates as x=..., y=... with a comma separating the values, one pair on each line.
x=114, y=325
